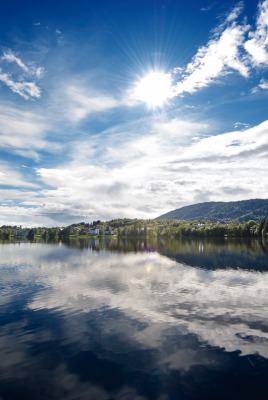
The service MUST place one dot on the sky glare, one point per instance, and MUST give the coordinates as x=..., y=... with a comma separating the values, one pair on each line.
x=116, y=109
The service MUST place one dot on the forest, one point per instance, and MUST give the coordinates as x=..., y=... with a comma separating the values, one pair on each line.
x=137, y=228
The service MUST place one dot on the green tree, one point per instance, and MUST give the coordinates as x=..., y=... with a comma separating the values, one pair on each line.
x=265, y=228
x=261, y=226
x=30, y=235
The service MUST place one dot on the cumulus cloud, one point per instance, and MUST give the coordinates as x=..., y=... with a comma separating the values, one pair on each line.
x=121, y=174
x=146, y=174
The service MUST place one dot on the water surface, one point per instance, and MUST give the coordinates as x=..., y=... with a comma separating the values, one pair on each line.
x=117, y=319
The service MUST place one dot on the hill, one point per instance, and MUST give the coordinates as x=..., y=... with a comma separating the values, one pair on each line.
x=241, y=211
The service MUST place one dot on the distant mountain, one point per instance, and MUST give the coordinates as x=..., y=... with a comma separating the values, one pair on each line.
x=241, y=211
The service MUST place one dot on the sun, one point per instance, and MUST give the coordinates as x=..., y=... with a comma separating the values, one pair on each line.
x=154, y=89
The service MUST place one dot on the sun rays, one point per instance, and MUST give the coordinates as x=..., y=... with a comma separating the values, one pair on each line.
x=154, y=89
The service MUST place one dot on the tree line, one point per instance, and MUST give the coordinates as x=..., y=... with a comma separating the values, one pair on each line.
x=141, y=228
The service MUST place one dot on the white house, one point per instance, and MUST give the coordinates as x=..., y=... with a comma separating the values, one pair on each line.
x=94, y=231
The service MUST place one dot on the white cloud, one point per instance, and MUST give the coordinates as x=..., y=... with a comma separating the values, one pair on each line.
x=263, y=84
x=241, y=125
x=59, y=37
x=144, y=177
x=229, y=145
x=39, y=72
x=136, y=170
x=11, y=176
x=24, y=89
x=78, y=103
x=22, y=215
x=119, y=173
x=24, y=132
x=10, y=57
x=208, y=8
x=20, y=84
x=234, y=14
x=217, y=58
x=229, y=50
x=257, y=45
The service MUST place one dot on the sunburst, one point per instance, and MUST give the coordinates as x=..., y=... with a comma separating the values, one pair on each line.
x=154, y=89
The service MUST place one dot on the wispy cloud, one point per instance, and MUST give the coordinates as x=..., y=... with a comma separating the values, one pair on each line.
x=234, y=47
x=218, y=57
x=23, y=132
x=79, y=101
x=11, y=176
x=234, y=14
x=241, y=125
x=21, y=84
x=10, y=57
x=24, y=89
x=257, y=45
x=208, y=8
x=59, y=37
x=263, y=85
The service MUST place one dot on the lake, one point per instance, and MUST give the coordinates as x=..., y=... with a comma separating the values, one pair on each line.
x=120, y=319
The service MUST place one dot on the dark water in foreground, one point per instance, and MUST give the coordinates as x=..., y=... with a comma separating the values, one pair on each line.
x=134, y=320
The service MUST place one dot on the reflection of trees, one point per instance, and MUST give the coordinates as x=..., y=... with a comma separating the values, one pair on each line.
x=217, y=253
x=264, y=245
x=199, y=252
x=122, y=245
x=209, y=245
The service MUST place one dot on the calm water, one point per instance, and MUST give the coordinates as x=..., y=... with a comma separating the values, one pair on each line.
x=134, y=320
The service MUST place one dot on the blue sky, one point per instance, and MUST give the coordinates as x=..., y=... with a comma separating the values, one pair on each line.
x=130, y=109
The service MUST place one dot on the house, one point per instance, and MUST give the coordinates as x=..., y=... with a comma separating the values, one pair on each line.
x=94, y=231
x=109, y=231
x=75, y=229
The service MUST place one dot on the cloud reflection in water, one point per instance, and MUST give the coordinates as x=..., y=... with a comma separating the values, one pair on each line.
x=139, y=312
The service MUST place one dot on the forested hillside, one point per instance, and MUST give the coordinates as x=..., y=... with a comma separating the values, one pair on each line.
x=241, y=211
